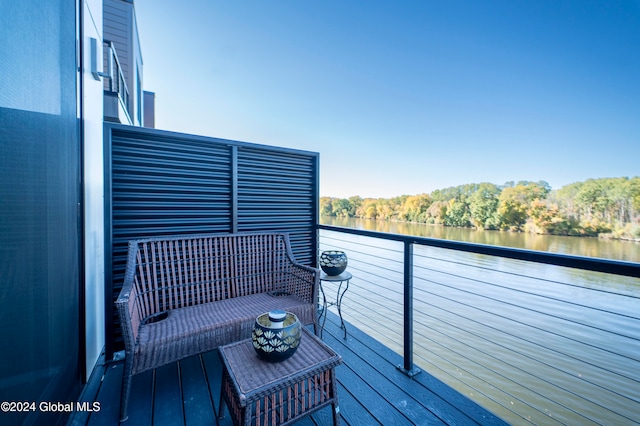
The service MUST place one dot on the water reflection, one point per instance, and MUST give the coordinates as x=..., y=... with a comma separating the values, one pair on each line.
x=581, y=246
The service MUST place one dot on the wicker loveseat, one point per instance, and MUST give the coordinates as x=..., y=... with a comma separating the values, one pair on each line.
x=190, y=294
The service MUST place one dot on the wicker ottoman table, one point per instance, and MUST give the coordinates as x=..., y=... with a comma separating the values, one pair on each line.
x=263, y=393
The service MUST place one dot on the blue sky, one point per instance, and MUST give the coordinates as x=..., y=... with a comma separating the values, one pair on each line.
x=405, y=97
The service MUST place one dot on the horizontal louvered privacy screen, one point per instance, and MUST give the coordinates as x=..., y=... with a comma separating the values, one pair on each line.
x=163, y=183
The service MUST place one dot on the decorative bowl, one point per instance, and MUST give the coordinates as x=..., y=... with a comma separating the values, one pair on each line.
x=276, y=335
x=333, y=262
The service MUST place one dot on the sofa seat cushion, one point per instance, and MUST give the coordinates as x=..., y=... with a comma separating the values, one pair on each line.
x=205, y=327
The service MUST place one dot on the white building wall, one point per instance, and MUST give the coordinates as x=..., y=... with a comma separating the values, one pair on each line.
x=94, y=242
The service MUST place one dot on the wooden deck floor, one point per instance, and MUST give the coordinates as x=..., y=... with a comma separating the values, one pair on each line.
x=371, y=391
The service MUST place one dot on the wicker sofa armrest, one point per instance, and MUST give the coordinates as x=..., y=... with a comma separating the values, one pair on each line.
x=128, y=303
x=130, y=318
x=303, y=281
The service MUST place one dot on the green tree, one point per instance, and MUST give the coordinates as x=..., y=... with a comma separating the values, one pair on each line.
x=593, y=207
x=340, y=207
x=414, y=208
x=457, y=214
x=437, y=212
x=593, y=199
x=512, y=208
x=633, y=192
x=384, y=209
x=354, y=204
x=546, y=217
x=326, y=208
x=367, y=209
x=483, y=204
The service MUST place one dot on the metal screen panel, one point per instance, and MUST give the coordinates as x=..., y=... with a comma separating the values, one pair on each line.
x=276, y=192
x=164, y=183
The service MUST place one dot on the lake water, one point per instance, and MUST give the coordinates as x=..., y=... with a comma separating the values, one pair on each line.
x=533, y=343
x=581, y=246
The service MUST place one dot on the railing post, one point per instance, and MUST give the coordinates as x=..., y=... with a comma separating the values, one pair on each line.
x=408, y=368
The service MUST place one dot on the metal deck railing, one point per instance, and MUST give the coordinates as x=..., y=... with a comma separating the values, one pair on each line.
x=116, y=83
x=532, y=336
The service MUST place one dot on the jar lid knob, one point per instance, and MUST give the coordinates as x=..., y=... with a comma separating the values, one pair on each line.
x=277, y=315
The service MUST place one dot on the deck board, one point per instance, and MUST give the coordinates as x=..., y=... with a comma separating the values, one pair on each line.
x=423, y=394
x=109, y=397
x=371, y=390
x=213, y=370
x=167, y=407
x=89, y=393
x=351, y=411
x=197, y=400
x=142, y=399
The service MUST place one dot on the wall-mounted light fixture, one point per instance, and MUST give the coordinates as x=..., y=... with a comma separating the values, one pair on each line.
x=94, y=61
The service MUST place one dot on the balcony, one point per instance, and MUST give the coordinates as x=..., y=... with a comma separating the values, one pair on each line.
x=439, y=332
x=371, y=391
x=485, y=339
x=116, y=93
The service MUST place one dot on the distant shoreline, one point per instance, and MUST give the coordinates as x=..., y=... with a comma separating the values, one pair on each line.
x=606, y=208
x=603, y=236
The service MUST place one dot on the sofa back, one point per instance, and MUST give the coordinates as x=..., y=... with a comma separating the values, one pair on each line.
x=175, y=272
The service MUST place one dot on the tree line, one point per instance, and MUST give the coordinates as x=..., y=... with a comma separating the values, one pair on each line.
x=607, y=207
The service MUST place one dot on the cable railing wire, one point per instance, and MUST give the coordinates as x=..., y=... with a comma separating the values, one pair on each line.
x=480, y=390
x=447, y=261
x=360, y=243
x=499, y=300
x=490, y=284
x=472, y=373
x=519, y=337
x=555, y=299
x=527, y=308
x=520, y=353
x=417, y=255
x=386, y=279
x=522, y=275
x=485, y=350
x=459, y=367
x=512, y=365
x=532, y=390
x=369, y=255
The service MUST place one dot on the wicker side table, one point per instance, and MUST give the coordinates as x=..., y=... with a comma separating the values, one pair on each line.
x=262, y=393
